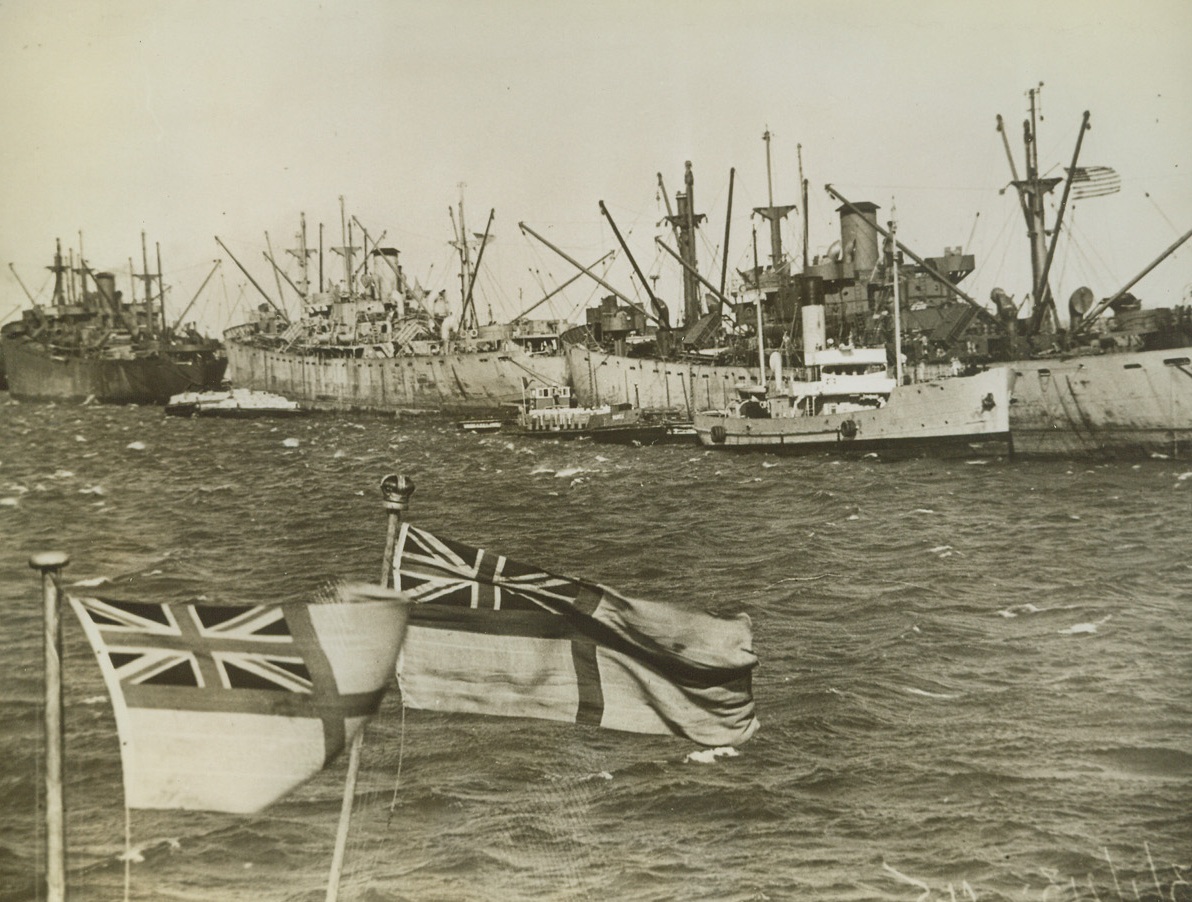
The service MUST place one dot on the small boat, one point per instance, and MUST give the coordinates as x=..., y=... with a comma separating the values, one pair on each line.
x=480, y=426
x=846, y=402
x=626, y=425
x=548, y=412
x=237, y=403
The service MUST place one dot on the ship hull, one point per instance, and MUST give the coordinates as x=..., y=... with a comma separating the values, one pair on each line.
x=465, y=383
x=965, y=416
x=35, y=374
x=1122, y=404
x=646, y=434
x=1125, y=404
x=651, y=384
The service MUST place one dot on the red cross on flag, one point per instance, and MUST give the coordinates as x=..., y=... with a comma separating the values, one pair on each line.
x=491, y=636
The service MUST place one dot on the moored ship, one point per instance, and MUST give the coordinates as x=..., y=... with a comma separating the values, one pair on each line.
x=90, y=342
x=378, y=341
x=1118, y=386
x=844, y=400
x=1121, y=386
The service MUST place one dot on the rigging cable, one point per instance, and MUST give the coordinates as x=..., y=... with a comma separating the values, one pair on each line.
x=1166, y=219
x=401, y=752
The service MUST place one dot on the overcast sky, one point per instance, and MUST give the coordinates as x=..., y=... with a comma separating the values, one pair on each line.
x=195, y=119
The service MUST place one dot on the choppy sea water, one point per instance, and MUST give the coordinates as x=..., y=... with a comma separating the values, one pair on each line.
x=975, y=678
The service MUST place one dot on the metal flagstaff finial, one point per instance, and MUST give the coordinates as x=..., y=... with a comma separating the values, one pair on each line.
x=396, y=490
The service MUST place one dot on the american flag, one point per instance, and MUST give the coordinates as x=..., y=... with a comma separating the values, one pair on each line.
x=488, y=635
x=1094, y=181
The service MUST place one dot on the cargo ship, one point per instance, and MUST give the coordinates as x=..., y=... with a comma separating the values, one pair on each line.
x=90, y=342
x=376, y=340
x=1100, y=387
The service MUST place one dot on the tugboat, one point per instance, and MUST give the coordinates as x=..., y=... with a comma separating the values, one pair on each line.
x=552, y=413
x=627, y=425
x=91, y=343
x=845, y=401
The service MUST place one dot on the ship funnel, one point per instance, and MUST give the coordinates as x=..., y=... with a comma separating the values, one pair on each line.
x=813, y=332
x=385, y=270
x=858, y=237
x=105, y=284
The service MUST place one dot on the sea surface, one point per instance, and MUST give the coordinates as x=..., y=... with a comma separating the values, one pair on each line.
x=975, y=677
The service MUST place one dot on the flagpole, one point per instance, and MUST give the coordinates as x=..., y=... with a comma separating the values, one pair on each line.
x=396, y=491
x=49, y=563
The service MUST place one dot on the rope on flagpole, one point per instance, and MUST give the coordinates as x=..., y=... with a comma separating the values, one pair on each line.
x=401, y=753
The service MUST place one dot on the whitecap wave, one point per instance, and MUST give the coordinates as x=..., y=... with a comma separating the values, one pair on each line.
x=707, y=756
x=926, y=694
x=1084, y=629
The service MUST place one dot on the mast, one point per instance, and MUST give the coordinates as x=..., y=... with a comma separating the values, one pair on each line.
x=70, y=282
x=803, y=192
x=774, y=214
x=1059, y=219
x=161, y=289
x=82, y=270
x=346, y=250
x=461, y=245
x=281, y=295
x=728, y=220
x=146, y=277
x=669, y=211
x=1032, y=191
x=304, y=259
x=685, y=222
x=57, y=269
x=761, y=338
x=897, y=300
x=468, y=319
